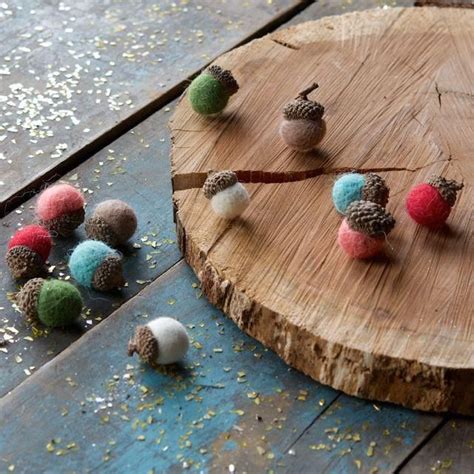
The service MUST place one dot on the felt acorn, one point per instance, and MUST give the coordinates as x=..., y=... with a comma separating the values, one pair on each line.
x=113, y=221
x=210, y=91
x=60, y=208
x=229, y=198
x=352, y=187
x=430, y=203
x=303, y=126
x=94, y=264
x=28, y=251
x=55, y=303
x=161, y=341
x=363, y=231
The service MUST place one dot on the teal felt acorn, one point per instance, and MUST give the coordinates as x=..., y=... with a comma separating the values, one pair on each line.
x=55, y=303
x=210, y=91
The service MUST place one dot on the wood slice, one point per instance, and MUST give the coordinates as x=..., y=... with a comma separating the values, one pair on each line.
x=398, y=91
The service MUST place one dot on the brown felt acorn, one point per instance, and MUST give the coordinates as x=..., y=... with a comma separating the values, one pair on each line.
x=363, y=231
x=113, y=222
x=303, y=126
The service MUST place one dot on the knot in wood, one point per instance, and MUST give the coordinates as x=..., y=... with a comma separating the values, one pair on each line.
x=369, y=218
x=448, y=188
x=225, y=77
x=218, y=181
x=303, y=109
x=375, y=189
x=27, y=298
x=109, y=274
x=144, y=344
x=24, y=262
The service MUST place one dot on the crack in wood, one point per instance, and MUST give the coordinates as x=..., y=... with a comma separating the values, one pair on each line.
x=285, y=44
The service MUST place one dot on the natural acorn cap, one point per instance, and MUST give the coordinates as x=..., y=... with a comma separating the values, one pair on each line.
x=448, y=188
x=304, y=108
x=144, y=344
x=98, y=229
x=375, y=189
x=109, y=274
x=24, y=262
x=369, y=218
x=218, y=181
x=64, y=225
x=27, y=298
x=225, y=77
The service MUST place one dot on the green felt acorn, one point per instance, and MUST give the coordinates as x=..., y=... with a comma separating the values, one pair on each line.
x=210, y=91
x=55, y=303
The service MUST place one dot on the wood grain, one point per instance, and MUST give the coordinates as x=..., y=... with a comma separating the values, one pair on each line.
x=396, y=328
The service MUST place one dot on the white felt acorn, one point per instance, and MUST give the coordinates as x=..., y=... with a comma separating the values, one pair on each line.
x=161, y=341
x=228, y=197
x=303, y=126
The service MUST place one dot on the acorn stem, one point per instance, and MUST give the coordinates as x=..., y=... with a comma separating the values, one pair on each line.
x=132, y=348
x=304, y=94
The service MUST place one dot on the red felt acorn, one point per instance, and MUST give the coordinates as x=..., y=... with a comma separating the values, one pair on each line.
x=430, y=203
x=28, y=251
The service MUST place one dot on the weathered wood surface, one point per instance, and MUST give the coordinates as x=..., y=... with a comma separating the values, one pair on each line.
x=396, y=328
x=77, y=74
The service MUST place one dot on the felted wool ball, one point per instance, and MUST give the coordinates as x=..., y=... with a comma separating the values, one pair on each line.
x=430, y=203
x=210, y=91
x=229, y=198
x=55, y=303
x=161, y=341
x=303, y=126
x=60, y=208
x=94, y=264
x=113, y=222
x=352, y=187
x=362, y=233
x=28, y=251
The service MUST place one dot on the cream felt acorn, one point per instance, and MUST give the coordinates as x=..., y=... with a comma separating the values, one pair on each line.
x=303, y=126
x=113, y=222
x=94, y=264
x=228, y=197
x=55, y=303
x=363, y=231
x=161, y=341
x=210, y=91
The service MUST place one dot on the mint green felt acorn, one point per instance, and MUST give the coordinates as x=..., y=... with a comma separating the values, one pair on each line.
x=210, y=91
x=55, y=303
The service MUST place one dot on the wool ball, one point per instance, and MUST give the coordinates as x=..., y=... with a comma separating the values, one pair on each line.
x=210, y=91
x=162, y=341
x=352, y=187
x=28, y=251
x=429, y=204
x=94, y=264
x=113, y=221
x=55, y=303
x=60, y=208
x=362, y=233
x=303, y=126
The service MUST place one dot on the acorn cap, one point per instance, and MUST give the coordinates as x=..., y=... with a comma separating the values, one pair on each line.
x=369, y=218
x=225, y=77
x=24, y=262
x=218, y=181
x=375, y=189
x=109, y=274
x=448, y=188
x=65, y=224
x=98, y=229
x=144, y=344
x=304, y=108
x=27, y=299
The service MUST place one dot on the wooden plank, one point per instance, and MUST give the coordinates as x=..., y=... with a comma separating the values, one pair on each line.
x=76, y=75
x=231, y=401
x=120, y=171
x=450, y=450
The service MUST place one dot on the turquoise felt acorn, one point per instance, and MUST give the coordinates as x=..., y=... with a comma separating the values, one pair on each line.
x=95, y=265
x=55, y=303
x=210, y=91
x=352, y=187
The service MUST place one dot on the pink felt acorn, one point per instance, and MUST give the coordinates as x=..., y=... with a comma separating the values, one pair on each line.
x=60, y=208
x=363, y=231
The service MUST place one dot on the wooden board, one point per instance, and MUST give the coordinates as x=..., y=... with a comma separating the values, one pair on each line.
x=397, y=328
x=75, y=75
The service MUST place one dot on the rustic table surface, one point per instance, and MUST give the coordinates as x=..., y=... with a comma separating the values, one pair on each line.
x=86, y=91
